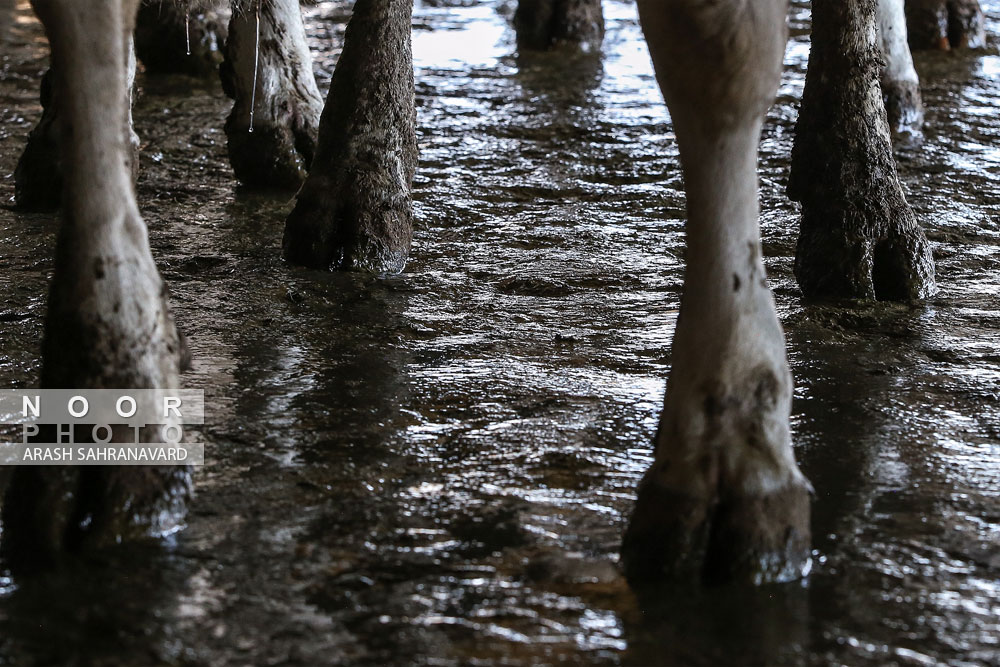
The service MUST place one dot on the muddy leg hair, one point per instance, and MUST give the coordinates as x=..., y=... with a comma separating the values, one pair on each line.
x=108, y=324
x=724, y=499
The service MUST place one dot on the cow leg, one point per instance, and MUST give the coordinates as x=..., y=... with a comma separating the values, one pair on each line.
x=900, y=85
x=272, y=127
x=543, y=24
x=858, y=236
x=355, y=209
x=39, y=172
x=38, y=176
x=927, y=24
x=945, y=24
x=180, y=37
x=966, y=24
x=107, y=324
x=724, y=498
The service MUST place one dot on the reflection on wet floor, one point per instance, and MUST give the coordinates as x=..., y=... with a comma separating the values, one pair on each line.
x=436, y=467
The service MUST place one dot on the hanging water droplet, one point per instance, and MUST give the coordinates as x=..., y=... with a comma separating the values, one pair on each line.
x=187, y=27
x=256, y=58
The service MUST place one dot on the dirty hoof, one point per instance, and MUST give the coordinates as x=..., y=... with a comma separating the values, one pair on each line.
x=858, y=237
x=544, y=24
x=53, y=512
x=352, y=232
x=273, y=156
x=740, y=538
x=832, y=263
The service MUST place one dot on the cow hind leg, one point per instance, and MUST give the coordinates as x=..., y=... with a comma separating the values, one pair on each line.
x=945, y=24
x=723, y=499
x=271, y=130
x=38, y=176
x=900, y=85
x=966, y=24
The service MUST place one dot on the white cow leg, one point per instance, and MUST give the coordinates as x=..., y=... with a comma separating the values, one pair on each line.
x=724, y=498
x=108, y=324
x=272, y=128
x=900, y=85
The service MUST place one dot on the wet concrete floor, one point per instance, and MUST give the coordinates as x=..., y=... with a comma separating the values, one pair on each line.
x=436, y=467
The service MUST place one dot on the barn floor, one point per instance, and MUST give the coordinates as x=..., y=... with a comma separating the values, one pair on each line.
x=435, y=468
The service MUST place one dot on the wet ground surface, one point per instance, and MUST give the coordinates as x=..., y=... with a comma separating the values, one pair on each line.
x=435, y=468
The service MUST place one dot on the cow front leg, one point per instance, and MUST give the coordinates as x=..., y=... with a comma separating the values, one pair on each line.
x=900, y=85
x=267, y=71
x=355, y=209
x=724, y=499
x=107, y=324
x=858, y=236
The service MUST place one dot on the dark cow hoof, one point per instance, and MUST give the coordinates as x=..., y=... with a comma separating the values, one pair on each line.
x=740, y=538
x=54, y=512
